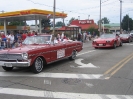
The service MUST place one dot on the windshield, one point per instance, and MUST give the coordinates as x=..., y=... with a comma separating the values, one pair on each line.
x=107, y=36
x=37, y=40
x=124, y=35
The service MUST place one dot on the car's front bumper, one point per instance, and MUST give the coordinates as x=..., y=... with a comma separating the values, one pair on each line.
x=102, y=46
x=15, y=64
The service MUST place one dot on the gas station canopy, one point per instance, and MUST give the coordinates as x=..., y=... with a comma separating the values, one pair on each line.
x=26, y=15
x=31, y=14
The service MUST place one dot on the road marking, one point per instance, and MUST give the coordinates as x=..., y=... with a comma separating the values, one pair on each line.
x=118, y=66
x=47, y=82
x=53, y=75
x=82, y=65
x=121, y=66
x=85, y=52
x=60, y=95
x=89, y=85
x=127, y=44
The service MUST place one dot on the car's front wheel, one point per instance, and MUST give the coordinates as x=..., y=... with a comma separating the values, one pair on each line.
x=37, y=66
x=121, y=43
x=129, y=41
x=7, y=68
x=73, y=56
x=114, y=45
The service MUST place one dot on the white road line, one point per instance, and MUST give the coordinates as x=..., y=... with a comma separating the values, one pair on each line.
x=47, y=82
x=86, y=52
x=53, y=75
x=82, y=65
x=127, y=44
x=60, y=95
x=89, y=85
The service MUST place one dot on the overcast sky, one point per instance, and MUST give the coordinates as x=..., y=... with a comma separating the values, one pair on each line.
x=75, y=8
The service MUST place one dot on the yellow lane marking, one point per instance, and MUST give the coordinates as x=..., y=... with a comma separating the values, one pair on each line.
x=108, y=71
x=120, y=66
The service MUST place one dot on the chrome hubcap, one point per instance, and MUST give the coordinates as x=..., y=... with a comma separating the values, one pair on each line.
x=39, y=64
x=74, y=54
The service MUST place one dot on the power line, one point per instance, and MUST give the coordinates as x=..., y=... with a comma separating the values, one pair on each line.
x=74, y=11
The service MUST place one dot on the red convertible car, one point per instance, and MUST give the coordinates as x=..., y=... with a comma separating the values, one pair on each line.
x=37, y=51
x=107, y=40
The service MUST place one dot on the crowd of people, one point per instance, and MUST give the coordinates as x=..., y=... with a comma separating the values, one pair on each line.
x=12, y=39
x=83, y=37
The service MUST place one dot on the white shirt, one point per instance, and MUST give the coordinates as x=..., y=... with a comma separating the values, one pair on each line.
x=11, y=37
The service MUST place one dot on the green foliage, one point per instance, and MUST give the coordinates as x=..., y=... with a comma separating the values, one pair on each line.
x=59, y=24
x=18, y=23
x=1, y=24
x=45, y=23
x=71, y=20
x=92, y=29
x=126, y=23
x=105, y=19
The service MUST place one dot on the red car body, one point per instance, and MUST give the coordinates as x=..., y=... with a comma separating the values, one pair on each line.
x=107, y=40
x=36, y=55
x=126, y=38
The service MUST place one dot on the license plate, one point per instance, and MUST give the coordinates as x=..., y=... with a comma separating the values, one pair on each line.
x=8, y=65
x=100, y=44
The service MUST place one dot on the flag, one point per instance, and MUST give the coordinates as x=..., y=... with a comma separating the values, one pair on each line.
x=48, y=15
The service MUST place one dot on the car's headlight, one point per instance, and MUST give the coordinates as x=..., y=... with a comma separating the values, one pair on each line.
x=24, y=55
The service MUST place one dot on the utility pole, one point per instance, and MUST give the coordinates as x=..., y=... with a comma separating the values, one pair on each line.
x=88, y=17
x=100, y=19
x=78, y=17
x=54, y=17
x=120, y=14
x=128, y=24
x=63, y=18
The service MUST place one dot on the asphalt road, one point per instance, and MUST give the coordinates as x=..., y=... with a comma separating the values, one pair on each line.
x=95, y=74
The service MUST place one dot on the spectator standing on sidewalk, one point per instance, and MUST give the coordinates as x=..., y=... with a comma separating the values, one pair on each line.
x=84, y=36
x=79, y=37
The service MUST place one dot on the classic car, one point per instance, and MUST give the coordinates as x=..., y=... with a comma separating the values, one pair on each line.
x=38, y=51
x=126, y=38
x=107, y=40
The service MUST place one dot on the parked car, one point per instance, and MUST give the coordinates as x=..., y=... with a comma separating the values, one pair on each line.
x=131, y=34
x=37, y=51
x=107, y=40
x=126, y=38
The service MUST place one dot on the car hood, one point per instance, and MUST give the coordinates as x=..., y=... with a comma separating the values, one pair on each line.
x=104, y=39
x=124, y=37
x=22, y=49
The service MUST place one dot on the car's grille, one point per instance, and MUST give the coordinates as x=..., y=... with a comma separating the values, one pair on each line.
x=10, y=57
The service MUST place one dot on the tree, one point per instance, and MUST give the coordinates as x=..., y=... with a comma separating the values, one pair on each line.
x=105, y=19
x=92, y=30
x=71, y=20
x=1, y=24
x=45, y=23
x=127, y=23
x=59, y=23
x=18, y=23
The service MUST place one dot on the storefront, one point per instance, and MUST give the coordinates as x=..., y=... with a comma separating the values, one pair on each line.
x=83, y=24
